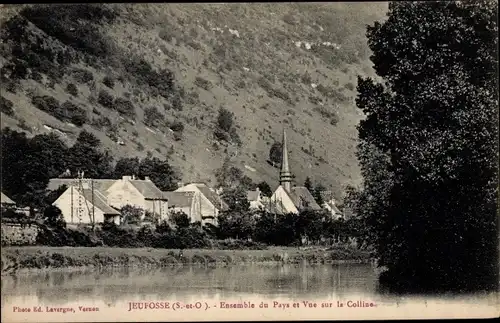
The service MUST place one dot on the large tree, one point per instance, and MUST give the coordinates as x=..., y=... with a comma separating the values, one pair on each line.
x=428, y=145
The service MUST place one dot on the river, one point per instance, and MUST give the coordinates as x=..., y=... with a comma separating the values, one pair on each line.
x=115, y=289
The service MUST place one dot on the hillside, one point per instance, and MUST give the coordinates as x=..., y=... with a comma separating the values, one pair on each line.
x=150, y=78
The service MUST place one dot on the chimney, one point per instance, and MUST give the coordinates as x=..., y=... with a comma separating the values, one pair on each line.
x=127, y=178
x=85, y=184
x=147, y=178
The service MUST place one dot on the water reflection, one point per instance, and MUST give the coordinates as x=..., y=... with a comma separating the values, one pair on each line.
x=112, y=285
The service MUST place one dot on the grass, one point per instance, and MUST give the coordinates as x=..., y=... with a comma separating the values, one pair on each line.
x=42, y=257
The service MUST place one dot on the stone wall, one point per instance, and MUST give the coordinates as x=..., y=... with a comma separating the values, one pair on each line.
x=17, y=235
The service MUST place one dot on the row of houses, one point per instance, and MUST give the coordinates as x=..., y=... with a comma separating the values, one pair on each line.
x=86, y=201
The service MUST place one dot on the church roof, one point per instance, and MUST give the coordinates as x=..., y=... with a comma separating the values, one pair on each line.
x=303, y=199
x=179, y=199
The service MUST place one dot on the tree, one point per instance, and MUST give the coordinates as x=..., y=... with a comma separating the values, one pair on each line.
x=236, y=199
x=228, y=175
x=85, y=155
x=53, y=216
x=161, y=173
x=308, y=184
x=275, y=153
x=127, y=166
x=235, y=224
x=225, y=119
x=180, y=220
x=131, y=214
x=265, y=189
x=428, y=145
x=24, y=175
x=317, y=194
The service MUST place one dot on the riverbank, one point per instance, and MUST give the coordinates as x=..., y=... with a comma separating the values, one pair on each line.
x=43, y=257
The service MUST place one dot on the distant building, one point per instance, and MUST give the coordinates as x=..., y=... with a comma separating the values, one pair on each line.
x=255, y=199
x=187, y=202
x=80, y=204
x=210, y=202
x=329, y=204
x=288, y=199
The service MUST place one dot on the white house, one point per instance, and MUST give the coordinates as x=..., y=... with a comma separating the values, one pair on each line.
x=125, y=191
x=187, y=202
x=210, y=202
x=83, y=205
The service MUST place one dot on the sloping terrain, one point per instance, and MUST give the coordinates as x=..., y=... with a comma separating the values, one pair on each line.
x=150, y=78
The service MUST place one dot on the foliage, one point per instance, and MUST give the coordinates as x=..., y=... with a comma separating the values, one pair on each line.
x=53, y=216
x=153, y=117
x=60, y=21
x=228, y=175
x=131, y=214
x=6, y=106
x=24, y=176
x=68, y=111
x=72, y=89
x=161, y=173
x=428, y=146
x=265, y=189
x=308, y=184
x=276, y=153
x=235, y=224
x=108, y=81
x=85, y=155
x=236, y=199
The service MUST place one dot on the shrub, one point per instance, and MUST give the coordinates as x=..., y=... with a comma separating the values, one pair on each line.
x=109, y=82
x=225, y=119
x=6, y=106
x=82, y=76
x=105, y=99
x=72, y=89
x=349, y=86
x=153, y=117
x=74, y=113
x=204, y=84
x=125, y=107
x=177, y=126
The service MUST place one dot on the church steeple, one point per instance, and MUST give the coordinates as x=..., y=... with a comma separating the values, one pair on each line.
x=285, y=175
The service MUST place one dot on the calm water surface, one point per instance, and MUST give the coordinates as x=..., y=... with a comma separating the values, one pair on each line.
x=268, y=281
x=115, y=288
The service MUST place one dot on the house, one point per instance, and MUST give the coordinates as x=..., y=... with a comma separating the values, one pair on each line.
x=6, y=202
x=125, y=191
x=80, y=204
x=255, y=199
x=329, y=204
x=187, y=202
x=139, y=193
x=210, y=202
x=288, y=199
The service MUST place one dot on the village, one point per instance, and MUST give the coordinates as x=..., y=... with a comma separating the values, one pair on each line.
x=87, y=201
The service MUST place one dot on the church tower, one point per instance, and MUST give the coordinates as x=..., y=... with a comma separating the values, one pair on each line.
x=285, y=175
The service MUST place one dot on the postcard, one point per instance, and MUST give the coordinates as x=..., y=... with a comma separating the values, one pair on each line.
x=249, y=161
